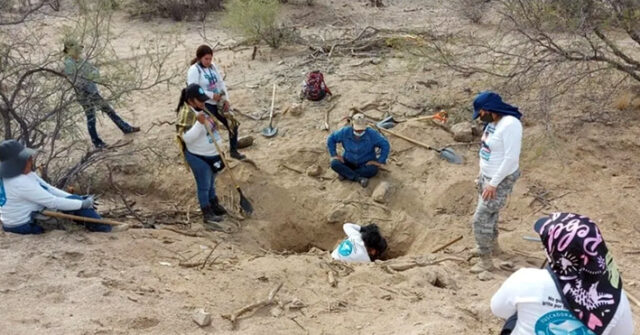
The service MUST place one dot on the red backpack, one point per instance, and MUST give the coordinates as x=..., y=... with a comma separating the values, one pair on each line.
x=315, y=88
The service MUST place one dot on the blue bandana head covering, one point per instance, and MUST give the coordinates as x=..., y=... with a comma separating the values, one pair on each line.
x=492, y=102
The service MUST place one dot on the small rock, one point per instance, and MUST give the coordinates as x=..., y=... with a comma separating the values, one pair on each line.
x=462, y=132
x=338, y=214
x=276, y=311
x=314, y=170
x=485, y=276
x=381, y=193
x=295, y=109
x=245, y=141
x=506, y=265
x=201, y=317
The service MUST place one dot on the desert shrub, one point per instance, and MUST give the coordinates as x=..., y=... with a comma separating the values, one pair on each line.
x=257, y=20
x=473, y=10
x=177, y=10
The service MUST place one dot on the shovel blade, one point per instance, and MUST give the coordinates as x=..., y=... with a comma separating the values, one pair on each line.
x=245, y=204
x=450, y=156
x=269, y=132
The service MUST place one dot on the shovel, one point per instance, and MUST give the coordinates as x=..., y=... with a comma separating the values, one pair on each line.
x=271, y=131
x=245, y=204
x=445, y=153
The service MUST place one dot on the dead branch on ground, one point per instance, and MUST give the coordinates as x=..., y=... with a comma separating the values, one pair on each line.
x=254, y=307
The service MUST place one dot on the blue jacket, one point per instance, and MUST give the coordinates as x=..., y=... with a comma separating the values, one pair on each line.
x=358, y=151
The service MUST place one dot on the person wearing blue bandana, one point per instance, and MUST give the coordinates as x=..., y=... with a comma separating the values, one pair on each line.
x=499, y=169
x=360, y=161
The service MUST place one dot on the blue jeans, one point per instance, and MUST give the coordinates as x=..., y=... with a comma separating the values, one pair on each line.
x=90, y=103
x=32, y=227
x=205, y=174
x=352, y=171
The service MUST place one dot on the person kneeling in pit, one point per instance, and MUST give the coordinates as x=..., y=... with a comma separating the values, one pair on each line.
x=362, y=245
x=360, y=160
x=23, y=194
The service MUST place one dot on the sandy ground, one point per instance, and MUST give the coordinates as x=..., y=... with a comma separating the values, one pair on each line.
x=133, y=283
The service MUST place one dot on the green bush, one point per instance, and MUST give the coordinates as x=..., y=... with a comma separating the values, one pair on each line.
x=257, y=20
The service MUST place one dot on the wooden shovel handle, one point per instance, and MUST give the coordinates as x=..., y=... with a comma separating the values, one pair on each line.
x=80, y=218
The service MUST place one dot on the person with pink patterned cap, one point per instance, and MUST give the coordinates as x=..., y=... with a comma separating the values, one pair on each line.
x=578, y=293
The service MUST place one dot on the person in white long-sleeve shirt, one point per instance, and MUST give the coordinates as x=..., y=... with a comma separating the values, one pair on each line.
x=580, y=292
x=499, y=169
x=362, y=245
x=207, y=75
x=23, y=194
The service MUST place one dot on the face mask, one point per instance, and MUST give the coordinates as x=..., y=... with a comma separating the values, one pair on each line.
x=358, y=134
x=488, y=118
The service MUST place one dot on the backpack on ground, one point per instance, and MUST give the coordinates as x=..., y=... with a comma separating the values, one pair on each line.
x=315, y=89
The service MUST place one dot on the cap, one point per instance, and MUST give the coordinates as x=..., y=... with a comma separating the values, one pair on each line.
x=194, y=91
x=359, y=122
x=13, y=158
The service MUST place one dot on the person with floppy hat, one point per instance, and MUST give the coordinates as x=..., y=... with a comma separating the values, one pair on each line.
x=579, y=291
x=200, y=152
x=23, y=194
x=499, y=170
x=83, y=75
x=360, y=161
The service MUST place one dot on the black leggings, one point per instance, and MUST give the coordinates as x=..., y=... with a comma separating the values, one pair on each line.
x=233, y=133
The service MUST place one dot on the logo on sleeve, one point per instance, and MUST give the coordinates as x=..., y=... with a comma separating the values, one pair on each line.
x=345, y=248
x=561, y=323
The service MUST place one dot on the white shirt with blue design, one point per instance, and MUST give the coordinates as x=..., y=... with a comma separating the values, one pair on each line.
x=352, y=249
x=532, y=294
x=500, y=150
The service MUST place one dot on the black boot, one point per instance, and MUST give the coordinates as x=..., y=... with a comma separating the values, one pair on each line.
x=211, y=220
x=216, y=208
x=233, y=145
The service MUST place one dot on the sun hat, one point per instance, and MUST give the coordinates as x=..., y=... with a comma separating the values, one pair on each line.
x=359, y=122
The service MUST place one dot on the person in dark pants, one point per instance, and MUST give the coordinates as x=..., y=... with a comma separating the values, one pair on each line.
x=83, y=74
x=206, y=74
x=360, y=160
x=23, y=194
x=196, y=132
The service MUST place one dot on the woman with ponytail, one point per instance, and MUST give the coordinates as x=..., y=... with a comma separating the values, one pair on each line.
x=196, y=145
x=206, y=74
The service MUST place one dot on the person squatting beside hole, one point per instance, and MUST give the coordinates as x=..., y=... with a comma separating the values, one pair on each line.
x=360, y=161
x=200, y=153
x=362, y=245
x=205, y=73
x=23, y=195
x=579, y=292
x=499, y=170
x=83, y=76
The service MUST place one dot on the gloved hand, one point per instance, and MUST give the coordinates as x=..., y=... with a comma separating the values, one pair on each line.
x=87, y=202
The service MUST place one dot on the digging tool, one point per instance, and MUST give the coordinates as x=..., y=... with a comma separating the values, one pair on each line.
x=271, y=131
x=245, y=204
x=445, y=153
x=80, y=218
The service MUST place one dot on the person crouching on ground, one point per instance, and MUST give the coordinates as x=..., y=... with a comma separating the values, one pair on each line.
x=499, y=170
x=194, y=127
x=360, y=160
x=23, y=194
x=363, y=244
x=206, y=74
x=83, y=75
x=579, y=292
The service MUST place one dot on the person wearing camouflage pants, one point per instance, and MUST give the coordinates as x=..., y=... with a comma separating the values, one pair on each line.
x=499, y=170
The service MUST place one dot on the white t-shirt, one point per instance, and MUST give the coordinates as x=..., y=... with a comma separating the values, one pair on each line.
x=533, y=295
x=197, y=138
x=500, y=151
x=352, y=249
x=209, y=79
x=27, y=193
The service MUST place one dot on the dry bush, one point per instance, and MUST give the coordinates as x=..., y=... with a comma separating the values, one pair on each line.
x=258, y=20
x=473, y=10
x=177, y=10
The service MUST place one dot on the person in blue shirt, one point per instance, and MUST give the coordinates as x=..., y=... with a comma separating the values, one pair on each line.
x=360, y=160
